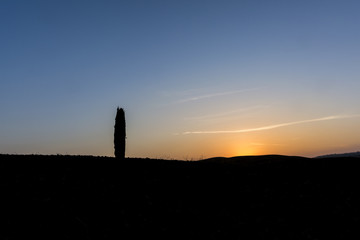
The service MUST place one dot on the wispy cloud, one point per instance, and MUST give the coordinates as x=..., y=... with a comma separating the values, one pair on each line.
x=218, y=94
x=266, y=144
x=224, y=114
x=180, y=93
x=275, y=125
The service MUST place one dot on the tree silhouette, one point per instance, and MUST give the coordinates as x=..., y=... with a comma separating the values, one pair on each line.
x=120, y=134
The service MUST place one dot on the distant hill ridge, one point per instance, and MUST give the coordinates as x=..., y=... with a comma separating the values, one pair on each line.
x=249, y=197
x=337, y=155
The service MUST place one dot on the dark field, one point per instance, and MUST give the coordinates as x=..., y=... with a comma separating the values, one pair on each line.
x=265, y=197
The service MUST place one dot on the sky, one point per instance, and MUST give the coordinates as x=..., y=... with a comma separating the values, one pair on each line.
x=197, y=78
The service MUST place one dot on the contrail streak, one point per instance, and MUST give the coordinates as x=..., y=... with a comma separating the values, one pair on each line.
x=212, y=95
x=225, y=113
x=275, y=126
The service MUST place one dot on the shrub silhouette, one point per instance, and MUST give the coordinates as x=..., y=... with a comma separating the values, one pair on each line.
x=120, y=134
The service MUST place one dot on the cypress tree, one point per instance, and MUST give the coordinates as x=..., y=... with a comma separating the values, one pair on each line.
x=120, y=134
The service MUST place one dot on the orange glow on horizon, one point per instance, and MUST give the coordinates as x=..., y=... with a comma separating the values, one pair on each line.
x=244, y=150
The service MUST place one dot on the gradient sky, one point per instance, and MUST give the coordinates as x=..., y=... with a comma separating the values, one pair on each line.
x=197, y=79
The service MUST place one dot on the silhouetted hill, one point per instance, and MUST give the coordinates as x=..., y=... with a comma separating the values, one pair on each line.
x=337, y=155
x=253, y=160
x=264, y=197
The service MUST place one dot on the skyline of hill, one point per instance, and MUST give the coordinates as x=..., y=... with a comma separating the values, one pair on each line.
x=335, y=155
x=258, y=197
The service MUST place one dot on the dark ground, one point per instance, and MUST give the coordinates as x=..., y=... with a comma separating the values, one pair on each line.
x=266, y=197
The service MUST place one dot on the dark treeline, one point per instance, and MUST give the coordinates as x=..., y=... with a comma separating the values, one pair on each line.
x=267, y=197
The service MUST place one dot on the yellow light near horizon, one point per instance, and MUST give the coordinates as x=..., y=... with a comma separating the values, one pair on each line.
x=245, y=150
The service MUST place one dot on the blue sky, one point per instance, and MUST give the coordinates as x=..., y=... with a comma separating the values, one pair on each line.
x=180, y=67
